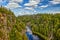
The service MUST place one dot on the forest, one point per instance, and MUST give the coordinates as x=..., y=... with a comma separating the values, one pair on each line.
x=45, y=25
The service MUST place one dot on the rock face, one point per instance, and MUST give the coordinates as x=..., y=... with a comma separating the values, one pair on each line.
x=6, y=23
x=3, y=26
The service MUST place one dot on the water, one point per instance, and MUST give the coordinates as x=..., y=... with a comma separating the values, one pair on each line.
x=35, y=37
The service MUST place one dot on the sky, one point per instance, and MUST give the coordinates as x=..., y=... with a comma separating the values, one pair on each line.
x=28, y=7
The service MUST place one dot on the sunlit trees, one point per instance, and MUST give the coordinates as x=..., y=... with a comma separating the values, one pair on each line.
x=46, y=24
x=14, y=28
x=6, y=20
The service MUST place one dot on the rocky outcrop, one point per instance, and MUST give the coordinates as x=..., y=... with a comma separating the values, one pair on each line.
x=7, y=21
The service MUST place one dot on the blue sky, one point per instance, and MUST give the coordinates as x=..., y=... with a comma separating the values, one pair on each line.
x=28, y=7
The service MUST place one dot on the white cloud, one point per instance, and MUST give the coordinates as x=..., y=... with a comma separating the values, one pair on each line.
x=43, y=6
x=0, y=0
x=55, y=2
x=16, y=0
x=35, y=11
x=28, y=8
x=32, y=3
x=24, y=13
x=12, y=5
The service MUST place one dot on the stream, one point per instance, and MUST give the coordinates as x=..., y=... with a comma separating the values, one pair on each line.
x=35, y=37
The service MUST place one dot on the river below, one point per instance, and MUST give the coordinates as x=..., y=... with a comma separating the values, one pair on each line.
x=35, y=37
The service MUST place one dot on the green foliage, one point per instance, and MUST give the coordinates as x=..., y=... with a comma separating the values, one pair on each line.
x=43, y=24
x=1, y=34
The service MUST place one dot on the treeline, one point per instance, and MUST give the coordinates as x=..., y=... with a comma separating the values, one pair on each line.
x=12, y=27
x=45, y=24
